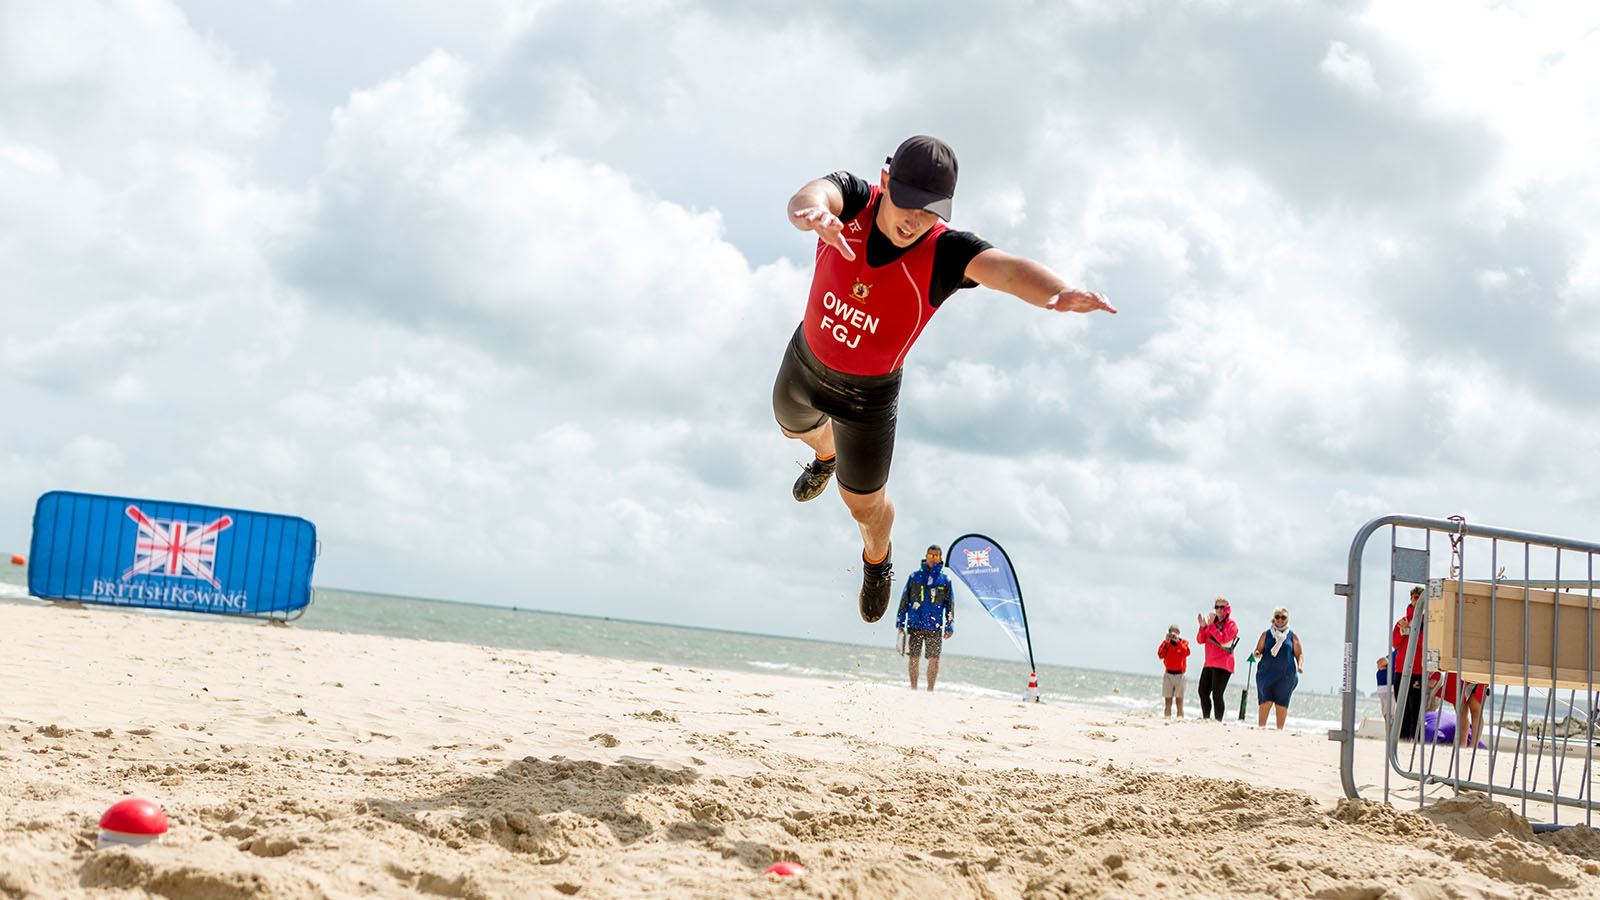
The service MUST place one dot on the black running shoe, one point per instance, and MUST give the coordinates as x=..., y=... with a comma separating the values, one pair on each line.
x=877, y=583
x=813, y=479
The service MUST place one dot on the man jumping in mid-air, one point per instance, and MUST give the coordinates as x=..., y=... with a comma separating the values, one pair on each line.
x=885, y=263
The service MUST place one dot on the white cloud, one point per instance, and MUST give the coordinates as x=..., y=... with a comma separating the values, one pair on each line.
x=1350, y=68
x=532, y=282
x=539, y=257
x=1006, y=204
x=90, y=454
x=124, y=72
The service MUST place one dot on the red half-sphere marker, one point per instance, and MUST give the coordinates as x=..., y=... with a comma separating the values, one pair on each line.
x=132, y=821
x=786, y=869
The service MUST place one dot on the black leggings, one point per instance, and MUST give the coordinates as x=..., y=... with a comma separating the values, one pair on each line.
x=1414, y=709
x=1213, y=681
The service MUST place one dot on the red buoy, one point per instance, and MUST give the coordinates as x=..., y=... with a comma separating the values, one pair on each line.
x=17, y=559
x=132, y=821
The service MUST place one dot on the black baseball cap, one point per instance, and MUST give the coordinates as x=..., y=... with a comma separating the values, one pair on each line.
x=922, y=175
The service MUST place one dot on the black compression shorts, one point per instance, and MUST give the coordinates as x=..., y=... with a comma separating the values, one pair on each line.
x=863, y=408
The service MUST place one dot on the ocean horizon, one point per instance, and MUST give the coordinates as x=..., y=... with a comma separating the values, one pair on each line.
x=522, y=628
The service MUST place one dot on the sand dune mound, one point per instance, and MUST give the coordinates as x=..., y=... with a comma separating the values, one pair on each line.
x=438, y=827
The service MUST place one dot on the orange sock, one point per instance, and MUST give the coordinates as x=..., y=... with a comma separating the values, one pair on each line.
x=821, y=458
x=873, y=562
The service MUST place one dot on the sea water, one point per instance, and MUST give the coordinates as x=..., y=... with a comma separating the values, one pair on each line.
x=960, y=675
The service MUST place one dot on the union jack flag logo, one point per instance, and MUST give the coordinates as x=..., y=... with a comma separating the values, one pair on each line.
x=175, y=549
x=978, y=558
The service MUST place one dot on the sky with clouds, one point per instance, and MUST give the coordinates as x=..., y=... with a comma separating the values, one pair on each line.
x=493, y=291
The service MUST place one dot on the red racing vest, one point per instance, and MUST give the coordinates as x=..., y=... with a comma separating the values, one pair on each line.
x=862, y=320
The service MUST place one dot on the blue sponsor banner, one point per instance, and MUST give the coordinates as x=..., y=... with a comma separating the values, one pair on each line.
x=165, y=555
x=986, y=570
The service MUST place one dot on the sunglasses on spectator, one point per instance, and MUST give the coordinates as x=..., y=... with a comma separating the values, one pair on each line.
x=1285, y=618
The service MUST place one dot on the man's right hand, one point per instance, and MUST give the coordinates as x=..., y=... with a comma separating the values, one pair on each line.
x=826, y=225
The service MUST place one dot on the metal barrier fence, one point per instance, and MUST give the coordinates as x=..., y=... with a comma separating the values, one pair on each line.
x=1503, y=636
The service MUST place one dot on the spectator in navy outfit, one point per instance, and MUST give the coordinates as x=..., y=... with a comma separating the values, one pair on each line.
x=927, y=614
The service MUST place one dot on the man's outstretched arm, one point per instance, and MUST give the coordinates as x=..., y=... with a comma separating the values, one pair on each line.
x=816, y=207
x=1032, y=282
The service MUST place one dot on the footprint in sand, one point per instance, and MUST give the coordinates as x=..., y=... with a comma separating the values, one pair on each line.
x=605, y=739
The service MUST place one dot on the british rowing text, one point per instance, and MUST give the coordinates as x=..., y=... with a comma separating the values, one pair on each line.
x=170, y=595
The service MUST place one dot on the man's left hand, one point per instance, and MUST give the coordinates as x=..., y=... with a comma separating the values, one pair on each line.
x=950, y=633
x=1079, y=301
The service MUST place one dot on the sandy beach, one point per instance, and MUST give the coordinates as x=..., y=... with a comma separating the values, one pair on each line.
x=304, y=764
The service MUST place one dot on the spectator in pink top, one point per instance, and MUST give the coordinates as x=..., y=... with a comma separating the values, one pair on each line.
x=1219, y=634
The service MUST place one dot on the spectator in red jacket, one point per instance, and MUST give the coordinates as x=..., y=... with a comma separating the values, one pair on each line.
x=1174, y=653
x=1219, y=634
x=1410, y=707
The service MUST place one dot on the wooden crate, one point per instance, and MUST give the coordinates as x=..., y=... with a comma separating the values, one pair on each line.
x=1573, y=646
